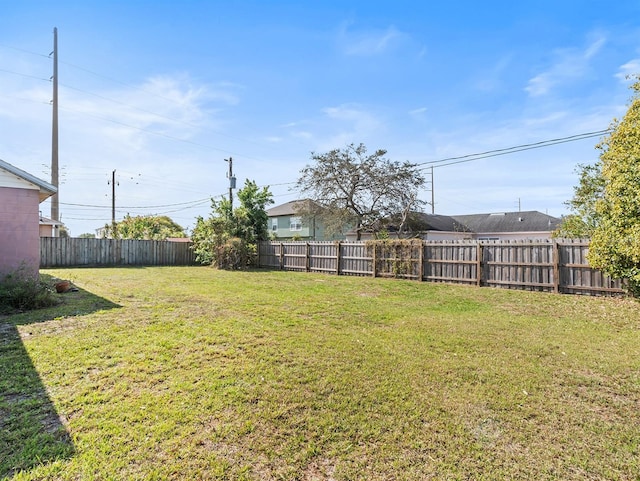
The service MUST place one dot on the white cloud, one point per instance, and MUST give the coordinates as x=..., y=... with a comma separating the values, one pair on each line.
x=569, y=64
x=349, y=123
x=490, y=79
x=417, y=112
x=302, y=134
x=632, y=67
x=349, y=114
x=371, y=42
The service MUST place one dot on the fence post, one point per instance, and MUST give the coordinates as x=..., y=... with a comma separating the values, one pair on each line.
x=556, y=267
x=479, y=255
x=338, y=245
x=281, y=255
x=307, y=260
x=421, y=261
x=373, y=262
x=259, y=247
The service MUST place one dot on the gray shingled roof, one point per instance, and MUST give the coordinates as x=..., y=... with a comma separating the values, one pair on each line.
x=288, y=208
x=528, y=221
x=46, y=189
x=438, y=222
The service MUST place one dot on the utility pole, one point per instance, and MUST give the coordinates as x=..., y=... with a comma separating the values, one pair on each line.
x=55, y=206
x=433, y=195
x=113, y=199
x=232, y=181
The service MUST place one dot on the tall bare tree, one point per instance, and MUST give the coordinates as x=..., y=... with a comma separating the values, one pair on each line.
x=357, y=190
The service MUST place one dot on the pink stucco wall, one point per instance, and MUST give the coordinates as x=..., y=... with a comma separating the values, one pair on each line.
x=19, y=230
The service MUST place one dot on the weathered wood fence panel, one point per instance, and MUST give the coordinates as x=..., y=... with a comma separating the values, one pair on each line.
x=73, y=252
x=578, y=277
x=355, y=260
x=455, y=262
x=527, y=265
x=323, y=257
x=543, y=265
x=269, y=254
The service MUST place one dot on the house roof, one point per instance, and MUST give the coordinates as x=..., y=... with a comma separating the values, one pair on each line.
x=47, y=221
x=288, y=208
x=527, y=221
x=438, y=222
x=46, y=189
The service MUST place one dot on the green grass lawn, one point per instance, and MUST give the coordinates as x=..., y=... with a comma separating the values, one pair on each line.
x=193, y=373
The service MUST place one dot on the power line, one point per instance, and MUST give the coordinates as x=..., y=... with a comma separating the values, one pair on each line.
x=194, y=202
x=24, y=75
x=510, y=150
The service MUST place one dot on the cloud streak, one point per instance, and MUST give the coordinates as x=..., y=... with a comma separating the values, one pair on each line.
x=569, y=64
x=627, y=70
x=369, y=43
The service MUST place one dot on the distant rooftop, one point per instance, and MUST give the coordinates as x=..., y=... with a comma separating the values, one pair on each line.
x=526, y=221
x=288, y=208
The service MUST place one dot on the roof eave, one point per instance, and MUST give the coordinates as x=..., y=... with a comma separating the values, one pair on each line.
x=46, y=189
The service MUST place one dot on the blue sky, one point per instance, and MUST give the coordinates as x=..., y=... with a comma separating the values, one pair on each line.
x=164, y=91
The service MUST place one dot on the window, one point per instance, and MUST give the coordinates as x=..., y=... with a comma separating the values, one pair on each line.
x=295, y=223
x=274, y=225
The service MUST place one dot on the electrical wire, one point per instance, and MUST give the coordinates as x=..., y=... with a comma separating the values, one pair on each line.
x=25, y=51
x=24, y=75
x=194, y=202
x=510, y=150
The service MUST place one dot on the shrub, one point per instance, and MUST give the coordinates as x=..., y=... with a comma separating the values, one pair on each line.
x=235, y=254
x=19, y=291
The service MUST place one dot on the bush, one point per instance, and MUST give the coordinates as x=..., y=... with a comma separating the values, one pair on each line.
x=234, y=254
x=22, y=292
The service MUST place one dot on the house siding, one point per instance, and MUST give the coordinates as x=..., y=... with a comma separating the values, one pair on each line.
x=46, y=230
x=284, y=228
x=19, y=230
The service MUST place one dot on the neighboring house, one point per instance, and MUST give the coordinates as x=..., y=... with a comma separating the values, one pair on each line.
x=285, y=223
x=49, y=227
x=510, y=225
x=496, y=226
x=20, y=197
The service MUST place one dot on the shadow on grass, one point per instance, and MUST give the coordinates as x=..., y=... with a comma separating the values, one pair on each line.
x=32, y=432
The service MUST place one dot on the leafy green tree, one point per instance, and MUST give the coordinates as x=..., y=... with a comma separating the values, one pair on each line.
x=350, y=188
x=228, y=238
x=615, y=244
x=584, y=217
x=209, y=235
x=251, y=217
x=147, y=227
x=87, y=235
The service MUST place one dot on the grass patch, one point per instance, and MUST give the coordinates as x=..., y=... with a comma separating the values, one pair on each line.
x=193, y=373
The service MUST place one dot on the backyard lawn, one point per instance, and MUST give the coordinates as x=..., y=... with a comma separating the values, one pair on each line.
x=193, y=373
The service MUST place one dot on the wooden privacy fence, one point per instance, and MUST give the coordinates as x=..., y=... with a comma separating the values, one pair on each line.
x=72, y=252
x=542, y=265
